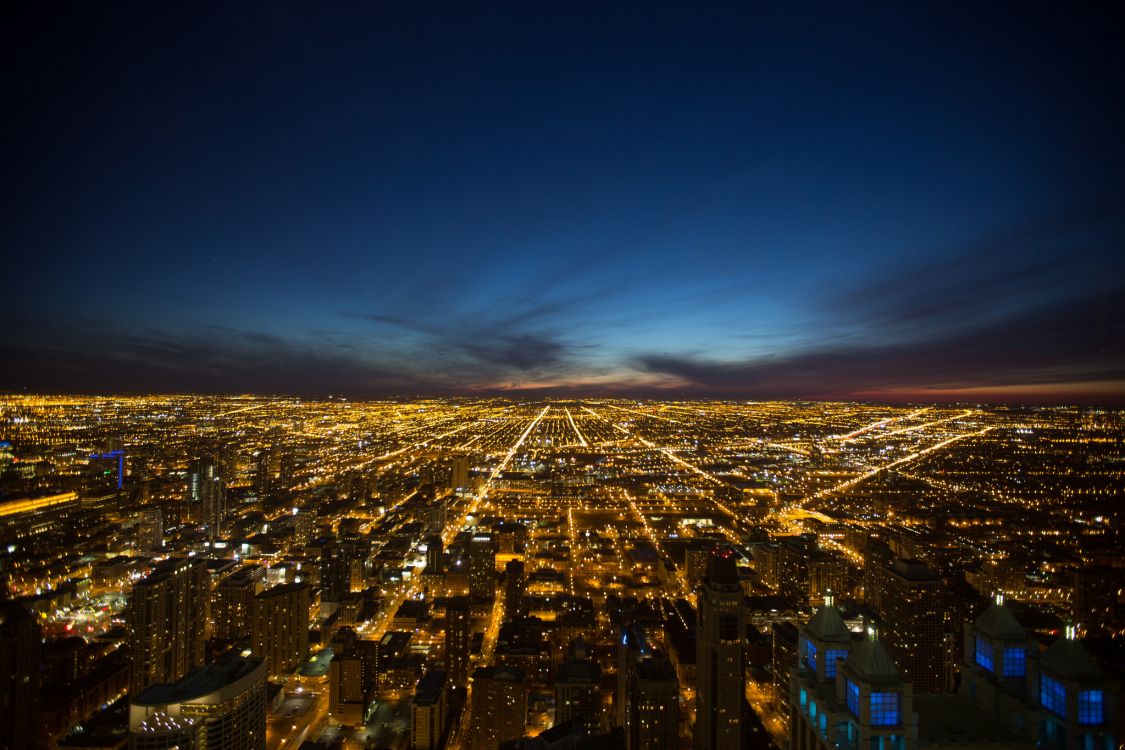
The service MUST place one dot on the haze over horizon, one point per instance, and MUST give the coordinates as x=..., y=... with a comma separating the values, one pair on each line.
x=903, y=204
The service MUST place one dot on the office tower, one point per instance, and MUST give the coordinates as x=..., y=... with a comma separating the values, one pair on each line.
x=784, y=655
x=168, y=614
x=647, y=694
x=1094, y=596
x=482, y=567
x=824, y=642
x=459, y=473
x=911, y=613
x=866, y=704
x=499, y=706
x=335, y=571
x=428, y=711
x=21, y=643
x=347, y=698
x=435, y=555
x=150, y=531
x=719, y=676
x=514, y=583
x=458, y=624
x=794, y=555
x=263, y=477
x=576, y=690
x=207, y=495
x=828, y=574
x=232, y=603
x=218, y=706
x=281, y=627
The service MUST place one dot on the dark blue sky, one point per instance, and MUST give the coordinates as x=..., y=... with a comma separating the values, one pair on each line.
x=910, y=201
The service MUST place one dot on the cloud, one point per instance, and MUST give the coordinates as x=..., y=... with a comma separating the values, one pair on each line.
x=1074, y=341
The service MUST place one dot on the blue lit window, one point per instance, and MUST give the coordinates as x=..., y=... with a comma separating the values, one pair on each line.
x=884, y=709
x=853, y=697
x=830, y=658
x=1053, y=696
x=810, y=655
x=812, y=709
x=804, y=697
x=1091, y=707
x=984, y=654
x=1015, y=662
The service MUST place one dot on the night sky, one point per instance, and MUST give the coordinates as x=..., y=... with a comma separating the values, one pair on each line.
x=912, y=202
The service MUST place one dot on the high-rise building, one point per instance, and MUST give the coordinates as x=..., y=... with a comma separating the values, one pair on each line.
x=911, y=612
x=168, y=613
x=219, y=706
x=281, y=627
x=347, y=698
x=864, y=704
x=576, y=690
x=21, y=643
x=482, y=567
x=514, y=587
x=648, y=695
x=335, y=571
x=794, y=555
x=458, y=625
x=150, y=531
x=232, y=603
x=720, y=683
x=459, y=473
x=1094, y=596
x=435, y=555
x=428, y=711
x=499, y=706
x=207, y=495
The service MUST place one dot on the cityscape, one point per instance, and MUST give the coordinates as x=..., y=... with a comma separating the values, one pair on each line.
x=491, y=375
x=190, y=571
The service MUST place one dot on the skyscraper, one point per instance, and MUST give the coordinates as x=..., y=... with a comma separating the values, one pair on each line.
x=335, y=571
x=499, y=709
x=168, y=614
x=219, y=706
x=428, y=711
x=20, y=654
x=576, y=690
x=514, y=585
x=459, y=473
x=910, y=609
x=150, y=531
x=281, y=627
x=720, y=680
x=482, y=567
x=207, y=495
x=435, y=555
x=232, y=603
x=458, y=622
x=648, y=695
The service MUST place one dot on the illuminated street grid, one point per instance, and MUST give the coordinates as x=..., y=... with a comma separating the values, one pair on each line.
x=605, y=497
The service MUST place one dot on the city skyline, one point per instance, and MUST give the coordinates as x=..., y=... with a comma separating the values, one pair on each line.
x=910, y=205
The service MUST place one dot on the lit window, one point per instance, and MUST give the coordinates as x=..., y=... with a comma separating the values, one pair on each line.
x=853, y=697
x=810, y=655
x=830, y=658
x=1015, y=662
x=1091, y=707
x=884, y=709
x=1053, y=696
x=984, y=654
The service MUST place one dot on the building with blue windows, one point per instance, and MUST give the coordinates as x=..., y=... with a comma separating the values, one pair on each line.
x=1059, y=698
x=848, y=694
x=845, y=692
